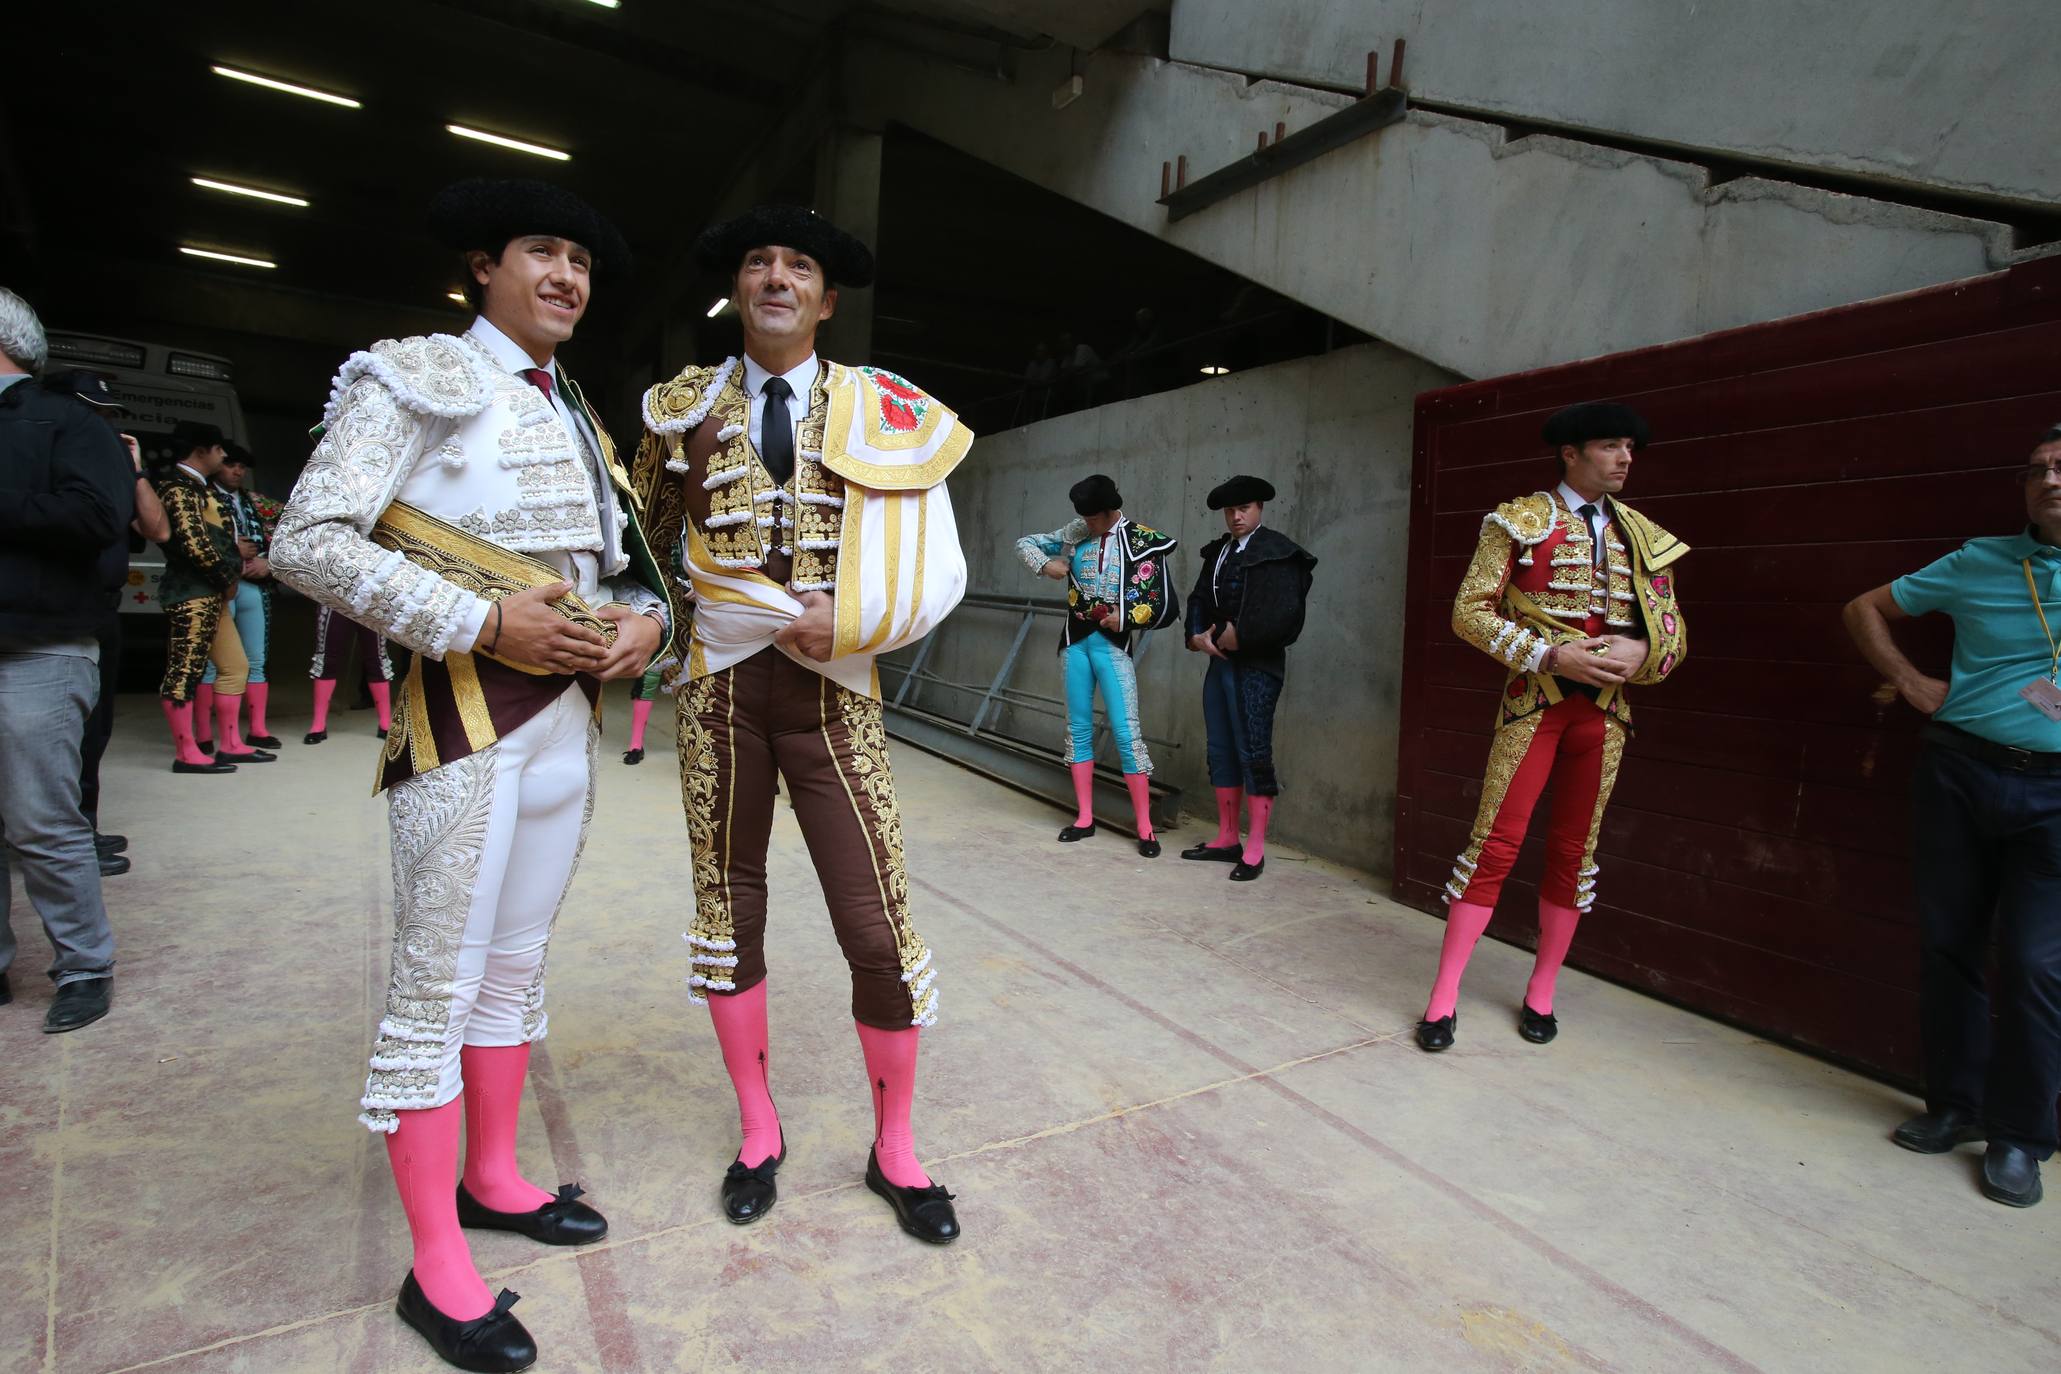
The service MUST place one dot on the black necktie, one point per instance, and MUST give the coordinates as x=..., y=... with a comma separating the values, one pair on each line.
x=1589, y=514
x=776, y=431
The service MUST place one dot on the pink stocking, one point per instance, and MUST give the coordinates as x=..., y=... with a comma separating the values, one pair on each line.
x=204, y=713
x=1140, y=787
x=891, y=1065
x=383, y=703
x=740, y=1020
x=1228, y=799
x=423, y=1151
x=1556, y=933
x=1083, y=792
x=179, y=718
x=1464, y=924
x=227, y=741
x=1262, y=809
x=259, y=694
x=325, y=688
x=493, y=1101
x=640, y=713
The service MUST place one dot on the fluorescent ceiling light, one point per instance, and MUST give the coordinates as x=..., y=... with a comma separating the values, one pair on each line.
x=458, y=296
x=233, y=189
x=1212, y=370
x=717, y=308
x=534, y=149
x=239, y=259
x=608, y=4
x=287, y=86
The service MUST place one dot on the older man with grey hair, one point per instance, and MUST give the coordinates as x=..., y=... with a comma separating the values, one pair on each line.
x=66, y=494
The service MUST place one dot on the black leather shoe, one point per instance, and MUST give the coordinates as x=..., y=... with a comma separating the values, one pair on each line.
x=749, y=1194
x=1539, y=1029
x=925, y=1213
x=1245, y=872
x=1209, y=853
x=1148, y=848
x=6, y=992
x=262, y=741
x=79, y=1003
x=1934, y=1133
x=382, y=734
x=2010, y=1175
x=561, y=1221
x=113, y=864
x=1433, y=1036
x=633, y=757
x=110, y=844
x=1077, y=832
x=495, y=1343
x=206, y=746
x=250, y=756
x=314, y=737
x=211, y=766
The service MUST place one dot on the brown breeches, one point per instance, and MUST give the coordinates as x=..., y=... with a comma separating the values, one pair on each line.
x=197, y=631
x=738, y=728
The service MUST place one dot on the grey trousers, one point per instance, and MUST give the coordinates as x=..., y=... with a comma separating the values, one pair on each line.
x=44, y=702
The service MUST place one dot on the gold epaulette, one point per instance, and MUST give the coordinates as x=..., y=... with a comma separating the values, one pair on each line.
x=1656, y=547
x=1528, y=519
x=678, y=405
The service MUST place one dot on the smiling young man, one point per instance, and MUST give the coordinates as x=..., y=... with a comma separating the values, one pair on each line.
x=1986, y=851
x=1568, y=590
x=804, y=501
x=465, y=502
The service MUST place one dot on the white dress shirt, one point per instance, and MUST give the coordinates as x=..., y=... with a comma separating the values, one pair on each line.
x=801, y=381
x=1226, y=552
x=1575, y=501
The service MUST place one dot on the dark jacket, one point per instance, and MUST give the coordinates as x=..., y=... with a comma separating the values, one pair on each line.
x=1264, y=588
x=67, y=493
x=200, y=557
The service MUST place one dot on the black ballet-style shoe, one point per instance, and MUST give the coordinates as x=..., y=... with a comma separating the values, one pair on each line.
x=248, y=756
x=1148, y=848
x=1209, y=853
x=1539, y=1028
x=494, y=1343
x=749, y=1191
x=1433, y=1036
x=206, y=746
x=633, y=757
x=211, y=766
x=314, y=737
x=561, y=1221
x=262, y=741
x=1077, y=832
x=925, y=1213
x=382, y=734
x=1245, y=872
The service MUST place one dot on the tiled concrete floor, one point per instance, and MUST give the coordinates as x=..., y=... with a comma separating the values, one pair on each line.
x=1185, y=1121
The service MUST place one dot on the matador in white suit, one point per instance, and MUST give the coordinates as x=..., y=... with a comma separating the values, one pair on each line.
x=465, y=501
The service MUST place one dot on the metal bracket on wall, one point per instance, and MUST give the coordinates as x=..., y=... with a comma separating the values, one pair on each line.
x=1377, y=109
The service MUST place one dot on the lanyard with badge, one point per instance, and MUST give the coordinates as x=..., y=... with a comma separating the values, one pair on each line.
x=2043, y=693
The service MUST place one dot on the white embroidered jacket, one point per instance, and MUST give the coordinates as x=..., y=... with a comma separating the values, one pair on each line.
x=435, y=421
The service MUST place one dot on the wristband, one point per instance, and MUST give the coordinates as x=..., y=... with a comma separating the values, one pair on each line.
x=497, y=629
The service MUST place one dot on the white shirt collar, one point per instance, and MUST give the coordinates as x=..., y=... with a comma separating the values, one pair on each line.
x=801, y=380
x=207, y=482
x=1575, y=501
x=507, y=351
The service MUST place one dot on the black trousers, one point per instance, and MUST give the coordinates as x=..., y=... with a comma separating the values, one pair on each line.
x=1987, y=858
x=100, y=725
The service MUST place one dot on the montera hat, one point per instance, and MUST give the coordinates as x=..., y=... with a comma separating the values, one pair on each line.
x=1094, y=495
x=1578, y=424
x=188, y=435
x=1240, y=490
x=486, y=212
x=845, y=260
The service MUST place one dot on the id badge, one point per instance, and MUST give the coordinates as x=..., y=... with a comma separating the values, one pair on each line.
x=2044, y=696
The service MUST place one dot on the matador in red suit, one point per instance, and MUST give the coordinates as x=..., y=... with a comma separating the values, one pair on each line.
x=1570, y=590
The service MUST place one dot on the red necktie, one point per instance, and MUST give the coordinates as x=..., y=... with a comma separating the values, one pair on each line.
x=538, y=378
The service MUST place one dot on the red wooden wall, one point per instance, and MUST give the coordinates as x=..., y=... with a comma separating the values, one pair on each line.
x=1753, y=857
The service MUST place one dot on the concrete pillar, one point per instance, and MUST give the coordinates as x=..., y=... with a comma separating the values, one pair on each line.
x=848, y=193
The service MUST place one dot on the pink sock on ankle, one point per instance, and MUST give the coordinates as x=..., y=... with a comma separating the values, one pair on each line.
x=1228, y=800
x=493, y=1103
x=259, y=695
x=1262, y=809
x=383, y=703
x=891, y=1066
x=325, y=688
x=740, y=1021
x=640, y=715
x=1464, y=924
x=423, y=1151
x=204, y=713
x=1556, y=933
x=179, y=719
x=1083, y=792
x=227, y=740
x=1139, y=785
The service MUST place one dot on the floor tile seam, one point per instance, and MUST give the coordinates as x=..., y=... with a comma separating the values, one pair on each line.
x=1259, y=977
x=1510, y=1226
x=281, y=1329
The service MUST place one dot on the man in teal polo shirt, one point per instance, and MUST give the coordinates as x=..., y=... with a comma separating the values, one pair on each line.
x=1986, y=803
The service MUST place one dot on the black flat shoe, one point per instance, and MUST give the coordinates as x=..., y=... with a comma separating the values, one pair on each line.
x=314, y=737
x=1433, y=1036
x=262, y=741
x=1538, y=1029
x=112, y=865
x=925, y=1213
x=1209, y=853
x=252, y=756
x=382, y=734
x=495, y=1343
x=80, y=1002
x=110, y=844
x=211, y=766
x=1077, y=832
x=2010, y=1175
x=749, y=1193
x=1245, y=872
x=1934, y=1133
x=6, y=992
x=561, y=1221
x=1148, y=848
x=206, y=746
x=633, y=757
